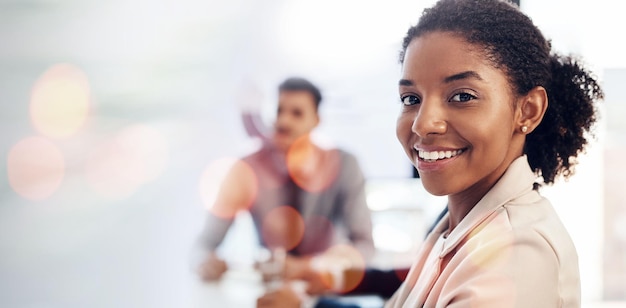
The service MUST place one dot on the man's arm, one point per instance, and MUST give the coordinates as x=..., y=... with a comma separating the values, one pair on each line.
x=212, y=267
x=236, y=192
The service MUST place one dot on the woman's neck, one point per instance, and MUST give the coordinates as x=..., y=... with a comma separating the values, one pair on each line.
x=458, y=209
x=460, y=204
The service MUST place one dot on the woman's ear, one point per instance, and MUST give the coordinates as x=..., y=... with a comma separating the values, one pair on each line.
x=531, y=109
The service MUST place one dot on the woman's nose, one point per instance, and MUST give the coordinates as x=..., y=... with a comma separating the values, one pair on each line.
x=430, y=119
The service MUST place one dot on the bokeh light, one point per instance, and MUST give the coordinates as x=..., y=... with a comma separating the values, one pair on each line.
x=227, y=186
x=36, y=168
x=112, y=171
x=306, y=168
x=282, y=227
x=491, y=248
x=356, y=272
x=347, y=265
x=117, y=167
x=150, y=148
x=60, y=101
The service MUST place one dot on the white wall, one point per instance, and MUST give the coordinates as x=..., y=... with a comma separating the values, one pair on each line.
x=587, y=29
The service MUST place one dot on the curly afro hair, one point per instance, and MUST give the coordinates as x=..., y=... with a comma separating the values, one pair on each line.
x=512, y=43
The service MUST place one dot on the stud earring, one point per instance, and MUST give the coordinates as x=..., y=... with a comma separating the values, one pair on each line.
x=524, y=129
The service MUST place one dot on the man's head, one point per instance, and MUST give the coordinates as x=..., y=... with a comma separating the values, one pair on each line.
x=296, y=116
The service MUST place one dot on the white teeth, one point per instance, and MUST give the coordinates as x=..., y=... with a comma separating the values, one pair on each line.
x=435, y=155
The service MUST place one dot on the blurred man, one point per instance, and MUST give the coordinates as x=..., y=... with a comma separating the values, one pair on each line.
x=304, y=199
x=382, y=283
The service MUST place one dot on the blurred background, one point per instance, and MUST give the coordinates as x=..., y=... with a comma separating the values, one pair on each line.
x=113, y=111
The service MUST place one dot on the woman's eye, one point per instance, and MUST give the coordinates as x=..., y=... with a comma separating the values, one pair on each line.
x=410, y=100
x=462, y=97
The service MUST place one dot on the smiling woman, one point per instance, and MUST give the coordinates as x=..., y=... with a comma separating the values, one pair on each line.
x=484, y=114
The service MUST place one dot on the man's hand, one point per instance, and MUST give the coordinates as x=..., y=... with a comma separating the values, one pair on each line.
x=299, y=268
x=212, y=268
x=319, y=283
x=284, y=297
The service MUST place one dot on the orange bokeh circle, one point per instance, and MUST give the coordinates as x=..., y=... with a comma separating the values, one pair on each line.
x=120, y=164
x=35, y=168
x=227, y=186
x=282, y=227
x=60, y=101
x=312, y=168
x=346, y=266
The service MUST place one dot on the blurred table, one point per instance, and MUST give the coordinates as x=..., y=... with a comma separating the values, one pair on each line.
x=239, y=288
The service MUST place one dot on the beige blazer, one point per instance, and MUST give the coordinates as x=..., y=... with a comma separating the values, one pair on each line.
x=511, y=250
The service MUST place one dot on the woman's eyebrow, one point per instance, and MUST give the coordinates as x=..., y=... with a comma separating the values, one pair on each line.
x=463, y=75
x=405, y=82
x=449, y=79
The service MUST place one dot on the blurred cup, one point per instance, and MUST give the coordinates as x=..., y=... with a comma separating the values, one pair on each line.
x=338, y=274
x=271, y=265
x=351, y=278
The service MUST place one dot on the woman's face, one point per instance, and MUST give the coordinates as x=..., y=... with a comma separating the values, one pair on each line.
x=457, y=119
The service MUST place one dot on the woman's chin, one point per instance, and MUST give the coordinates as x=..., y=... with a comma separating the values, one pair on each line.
x=434, y=188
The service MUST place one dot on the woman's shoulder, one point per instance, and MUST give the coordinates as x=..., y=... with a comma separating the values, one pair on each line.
x=532, y=227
